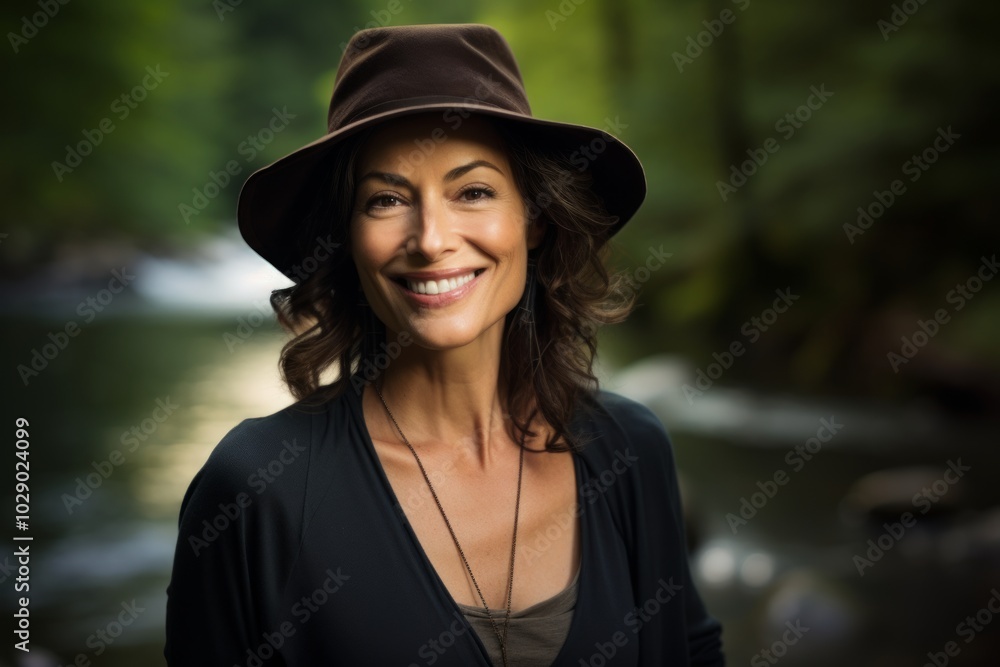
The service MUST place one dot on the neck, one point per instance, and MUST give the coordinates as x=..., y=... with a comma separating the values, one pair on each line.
x=449, y=398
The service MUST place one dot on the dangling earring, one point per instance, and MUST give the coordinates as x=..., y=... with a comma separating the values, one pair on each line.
x=372, y=328
x=526, y=311
x=527, y=308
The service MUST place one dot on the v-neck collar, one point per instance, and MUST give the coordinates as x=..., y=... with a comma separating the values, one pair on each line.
x=357, y=408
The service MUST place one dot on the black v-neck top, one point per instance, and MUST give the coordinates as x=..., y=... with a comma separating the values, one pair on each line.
x=293, y=550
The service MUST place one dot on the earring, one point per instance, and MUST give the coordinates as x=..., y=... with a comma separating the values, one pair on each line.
x=526, y=311
x=527, y=308
x=373, y=331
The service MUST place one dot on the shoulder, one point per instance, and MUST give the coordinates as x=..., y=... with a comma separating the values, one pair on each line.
x=626, y=448
x=273, y=451
x=255, y=441
x=610, y=419
x=630, y=466
x=626, y=411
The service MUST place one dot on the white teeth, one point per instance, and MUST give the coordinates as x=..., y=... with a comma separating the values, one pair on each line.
x=438, y=286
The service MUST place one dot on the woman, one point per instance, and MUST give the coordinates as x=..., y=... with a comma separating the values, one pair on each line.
x=460, y=492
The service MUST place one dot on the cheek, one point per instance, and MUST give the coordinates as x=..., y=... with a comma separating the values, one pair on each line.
x=504, y=234
x=365, y=250
x=505, y=238
x=368, y=248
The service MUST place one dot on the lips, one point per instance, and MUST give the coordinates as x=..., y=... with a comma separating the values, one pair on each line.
x=431, y=286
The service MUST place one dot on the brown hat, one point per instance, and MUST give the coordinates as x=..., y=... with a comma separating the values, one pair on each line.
x=390, y=72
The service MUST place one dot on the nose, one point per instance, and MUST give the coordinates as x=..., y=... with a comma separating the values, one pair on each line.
x=431, y=233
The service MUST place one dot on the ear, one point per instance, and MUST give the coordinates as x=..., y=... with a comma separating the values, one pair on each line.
x=536, y=232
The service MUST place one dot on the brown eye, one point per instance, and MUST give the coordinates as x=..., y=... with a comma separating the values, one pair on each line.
x=477, y=193
x=383, y=201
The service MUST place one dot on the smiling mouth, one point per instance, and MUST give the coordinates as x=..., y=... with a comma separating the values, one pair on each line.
x=442, y=286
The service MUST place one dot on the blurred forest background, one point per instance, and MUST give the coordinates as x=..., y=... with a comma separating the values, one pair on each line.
x=230, y=64
x=772, y=134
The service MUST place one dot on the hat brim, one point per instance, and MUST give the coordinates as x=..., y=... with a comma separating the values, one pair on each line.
x=275, y=198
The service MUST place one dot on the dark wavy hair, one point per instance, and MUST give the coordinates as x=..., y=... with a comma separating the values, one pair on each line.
x=550, y=341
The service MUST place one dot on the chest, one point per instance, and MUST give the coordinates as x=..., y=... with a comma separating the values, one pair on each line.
x=479, y=512
x=361, y=589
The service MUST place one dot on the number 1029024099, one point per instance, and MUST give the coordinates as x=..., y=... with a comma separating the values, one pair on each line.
x=22, y=504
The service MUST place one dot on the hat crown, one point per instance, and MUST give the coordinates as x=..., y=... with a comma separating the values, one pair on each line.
x=388, y=73
x=384, y=69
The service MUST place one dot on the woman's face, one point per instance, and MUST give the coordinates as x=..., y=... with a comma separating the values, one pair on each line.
x=439, y=234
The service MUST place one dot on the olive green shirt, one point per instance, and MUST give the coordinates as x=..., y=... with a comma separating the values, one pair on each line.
x=534, y=634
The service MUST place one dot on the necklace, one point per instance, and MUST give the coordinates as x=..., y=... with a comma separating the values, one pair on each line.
x=501, y=637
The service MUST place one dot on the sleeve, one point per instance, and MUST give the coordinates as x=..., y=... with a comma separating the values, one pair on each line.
x=210, y=619
x=659, y=547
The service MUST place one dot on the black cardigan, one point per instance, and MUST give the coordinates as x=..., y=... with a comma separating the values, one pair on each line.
x=293, y=550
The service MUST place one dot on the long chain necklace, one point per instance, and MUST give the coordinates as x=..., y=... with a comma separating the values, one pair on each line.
x=501, y=637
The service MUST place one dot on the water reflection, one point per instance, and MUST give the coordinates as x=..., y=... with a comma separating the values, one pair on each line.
x=880, y=535
x=791, y=562
x=105, y=527
x=246, y=385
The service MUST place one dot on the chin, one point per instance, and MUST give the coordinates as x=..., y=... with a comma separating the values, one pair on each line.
x=448, y=334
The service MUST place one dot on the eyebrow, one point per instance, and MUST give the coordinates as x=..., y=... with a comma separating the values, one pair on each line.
x=457, y=172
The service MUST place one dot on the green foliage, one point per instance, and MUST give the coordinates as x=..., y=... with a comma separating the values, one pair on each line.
x=690, y=114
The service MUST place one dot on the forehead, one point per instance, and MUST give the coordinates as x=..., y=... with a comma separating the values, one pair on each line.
x=412, y=141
